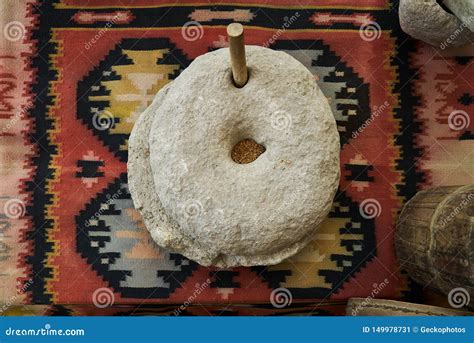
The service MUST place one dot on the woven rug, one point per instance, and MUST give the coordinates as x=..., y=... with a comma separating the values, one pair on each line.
x=75, y=75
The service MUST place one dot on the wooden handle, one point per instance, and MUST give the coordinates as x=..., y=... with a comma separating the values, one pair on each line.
x=235, y=31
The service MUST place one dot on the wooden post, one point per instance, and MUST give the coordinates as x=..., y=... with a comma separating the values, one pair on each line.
x=235, y=32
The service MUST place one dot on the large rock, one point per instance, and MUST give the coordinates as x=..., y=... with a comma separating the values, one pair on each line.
x=464, y=10
x=196, y=200
x=428, y=21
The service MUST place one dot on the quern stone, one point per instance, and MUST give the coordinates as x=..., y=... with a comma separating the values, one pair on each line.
x=464, y=10
x=196, y=200
x=428, y=21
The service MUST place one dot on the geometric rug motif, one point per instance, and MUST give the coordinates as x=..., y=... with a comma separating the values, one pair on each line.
x=340, y=248
x=348, y=95
x=97, y=68
x=112, y=96
x=115, y=242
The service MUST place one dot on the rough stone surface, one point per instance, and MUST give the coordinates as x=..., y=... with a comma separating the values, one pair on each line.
x=196, y=200
x=428, y=21
x=464, y=10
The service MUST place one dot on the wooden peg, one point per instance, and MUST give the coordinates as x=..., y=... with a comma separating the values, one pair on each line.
x=235, y=32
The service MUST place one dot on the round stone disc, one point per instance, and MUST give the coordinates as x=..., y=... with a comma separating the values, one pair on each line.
x=196, y=200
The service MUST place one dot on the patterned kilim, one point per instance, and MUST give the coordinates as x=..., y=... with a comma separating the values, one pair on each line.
x=75, y=76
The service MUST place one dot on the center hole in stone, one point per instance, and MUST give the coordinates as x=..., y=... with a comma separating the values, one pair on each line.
x=246, y=151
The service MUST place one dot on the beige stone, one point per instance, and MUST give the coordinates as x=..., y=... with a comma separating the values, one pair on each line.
x=464, y=10
x=428, y=21
x=195, y=200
